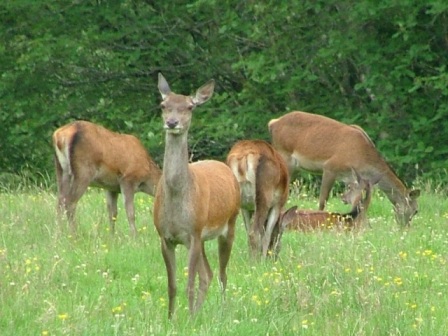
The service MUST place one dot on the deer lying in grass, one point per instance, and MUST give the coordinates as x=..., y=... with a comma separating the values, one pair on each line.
x=264, y=185
x=87, y=154
x=194, y=202
x=359, y=194
x=319, y=144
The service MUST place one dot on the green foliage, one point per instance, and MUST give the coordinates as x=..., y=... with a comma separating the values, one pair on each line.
x=381, y=65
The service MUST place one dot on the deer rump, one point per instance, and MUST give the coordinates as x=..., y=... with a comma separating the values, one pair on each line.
x=263, y=179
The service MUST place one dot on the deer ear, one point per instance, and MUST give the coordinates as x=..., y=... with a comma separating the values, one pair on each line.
x=413, y=194
x=163, y=86
x=356, y=175
x=204, y=93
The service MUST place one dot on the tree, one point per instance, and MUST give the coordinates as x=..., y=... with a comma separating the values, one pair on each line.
x=380, y=65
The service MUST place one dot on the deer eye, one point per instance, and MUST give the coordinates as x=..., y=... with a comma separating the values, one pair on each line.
x=162, y=105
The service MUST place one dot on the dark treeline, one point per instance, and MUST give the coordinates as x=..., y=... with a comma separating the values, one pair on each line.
x=379, y=64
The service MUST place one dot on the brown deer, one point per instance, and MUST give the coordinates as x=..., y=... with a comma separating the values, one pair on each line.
x=358, y=194
x=88, y=154
x=322, y=145
x=194, y=202
x=264, y=184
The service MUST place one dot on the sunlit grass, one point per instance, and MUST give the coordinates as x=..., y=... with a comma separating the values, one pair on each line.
x=383, y=280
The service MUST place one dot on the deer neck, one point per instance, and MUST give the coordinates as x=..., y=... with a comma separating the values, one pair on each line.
x=176, y=173
x=393, y=187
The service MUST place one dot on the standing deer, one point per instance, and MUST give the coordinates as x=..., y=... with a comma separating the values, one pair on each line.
x=89, y=154
x=319, y=144
x=358, y=194
x=264, y=184
x=194, y=202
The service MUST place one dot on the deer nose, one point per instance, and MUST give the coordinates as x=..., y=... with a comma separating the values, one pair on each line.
x=172, y=123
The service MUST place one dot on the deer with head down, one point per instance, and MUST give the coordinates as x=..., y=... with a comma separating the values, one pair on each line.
x=87, y=154
x=194, y=202
x=358, y=194
x=322, y=145
x=264, y=185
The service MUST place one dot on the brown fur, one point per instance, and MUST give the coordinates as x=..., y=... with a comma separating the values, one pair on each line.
x=359, y=194
x=264, y=182
x=322, y=145
x=87, y=154
x=194, y=202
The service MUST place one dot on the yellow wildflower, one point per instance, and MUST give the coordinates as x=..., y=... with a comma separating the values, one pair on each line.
x=117, y=309
x=63, y=317
x=398, y=281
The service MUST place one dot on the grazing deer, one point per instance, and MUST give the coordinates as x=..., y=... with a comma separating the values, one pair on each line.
x=89, y=154
x=319, y=144
x=194, y=202
x=264, y=184
x=358, y=194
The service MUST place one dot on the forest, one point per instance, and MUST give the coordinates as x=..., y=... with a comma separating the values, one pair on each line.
x=381, y=65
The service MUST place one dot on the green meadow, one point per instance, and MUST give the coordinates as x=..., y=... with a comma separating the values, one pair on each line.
x=382, y=280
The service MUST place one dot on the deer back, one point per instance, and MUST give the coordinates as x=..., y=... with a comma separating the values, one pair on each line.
x=91, y=151
x=316, y=143
x=310, y=141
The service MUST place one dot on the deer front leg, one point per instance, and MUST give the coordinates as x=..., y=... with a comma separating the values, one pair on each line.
x=111, y=200
x=127, y=190
x=194, y=261
x=328, y=179
x=169, y=256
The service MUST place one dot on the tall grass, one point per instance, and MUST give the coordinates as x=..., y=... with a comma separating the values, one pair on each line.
x=383, y=280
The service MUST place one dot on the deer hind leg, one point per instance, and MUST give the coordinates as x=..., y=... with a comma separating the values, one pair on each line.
x=59, y=179
x=257, y=231
x=225, y=244
x=207, y=268
x=205, y=277
x=328, y=179
x=111, y=200
x=254, y=236
x=268, y=239
x=128, y=191
x=260, y=218
x=247, y=218
x=75, y=188
x=169, y=257
x=64, y=181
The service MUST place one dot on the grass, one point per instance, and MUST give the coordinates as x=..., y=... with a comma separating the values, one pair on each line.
x=381, y=281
